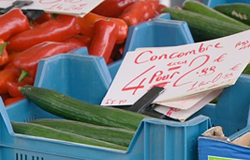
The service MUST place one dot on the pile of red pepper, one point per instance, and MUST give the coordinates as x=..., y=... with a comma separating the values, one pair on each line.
x=103, y=31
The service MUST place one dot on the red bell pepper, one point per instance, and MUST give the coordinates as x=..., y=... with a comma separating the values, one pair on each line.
x=10, y=101
x=139, y=11
x=103, y=41
x=59, y=29
x=87, y=26
x=8, y=75
x=83, y=38
x=12, y=56
x=117, y=52
x=12, y=23
x=13, y=86
x=4, y=56
x=28, y=60
x=5, y=96
x=44, y=17
x=79, y=40
x=9, y=65
x=159, y=9
x=75, y=41
x=112, y=8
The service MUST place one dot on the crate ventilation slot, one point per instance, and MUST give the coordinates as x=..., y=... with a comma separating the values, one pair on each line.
x=30, y=118
x=20, y=156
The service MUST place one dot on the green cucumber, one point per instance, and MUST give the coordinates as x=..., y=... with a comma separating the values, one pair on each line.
x=69, y=108
x=204, y=27
x=33, y=129
x=238, y=11
x=246, y=70
x=201, y=8
x=109, y=134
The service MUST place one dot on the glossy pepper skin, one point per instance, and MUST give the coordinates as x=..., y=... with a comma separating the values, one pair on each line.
x=58, y=30
x=159, y=9
x=80, y=40
x=5, y=96
x=12, y=23
x=8, y=75
x=112, y=8
x=44, y=17
x=12, y=100
x=103, y=41
x=4, y=56
x=139, y=11
x=87, y=26
x=13, y=86
x=28, y=60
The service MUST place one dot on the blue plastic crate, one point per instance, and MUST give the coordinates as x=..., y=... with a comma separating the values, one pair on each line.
x=232, y=113
x=155, y=139
x=83, y=77
x=232, y=110
x=160, y=32
x=213, y=3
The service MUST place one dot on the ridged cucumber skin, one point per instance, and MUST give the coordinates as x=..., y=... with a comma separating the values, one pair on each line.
x=204, y=27
x=109, y=134
x=238, y=11
x=33, y=129
x=201, y=8
x=69, y=108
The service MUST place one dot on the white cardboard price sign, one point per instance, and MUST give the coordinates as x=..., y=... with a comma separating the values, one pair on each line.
x=5, y=3
x=70, y=7
x=182, y=114
x=183, y=70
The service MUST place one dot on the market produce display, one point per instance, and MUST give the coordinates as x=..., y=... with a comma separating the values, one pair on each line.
x=103, y=31
x=25, y=41
x=108, y=124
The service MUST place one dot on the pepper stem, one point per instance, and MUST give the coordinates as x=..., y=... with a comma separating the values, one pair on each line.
x=2, y=46
x=23, y=75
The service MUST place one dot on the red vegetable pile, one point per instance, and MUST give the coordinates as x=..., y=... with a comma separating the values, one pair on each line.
x=103, y=31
